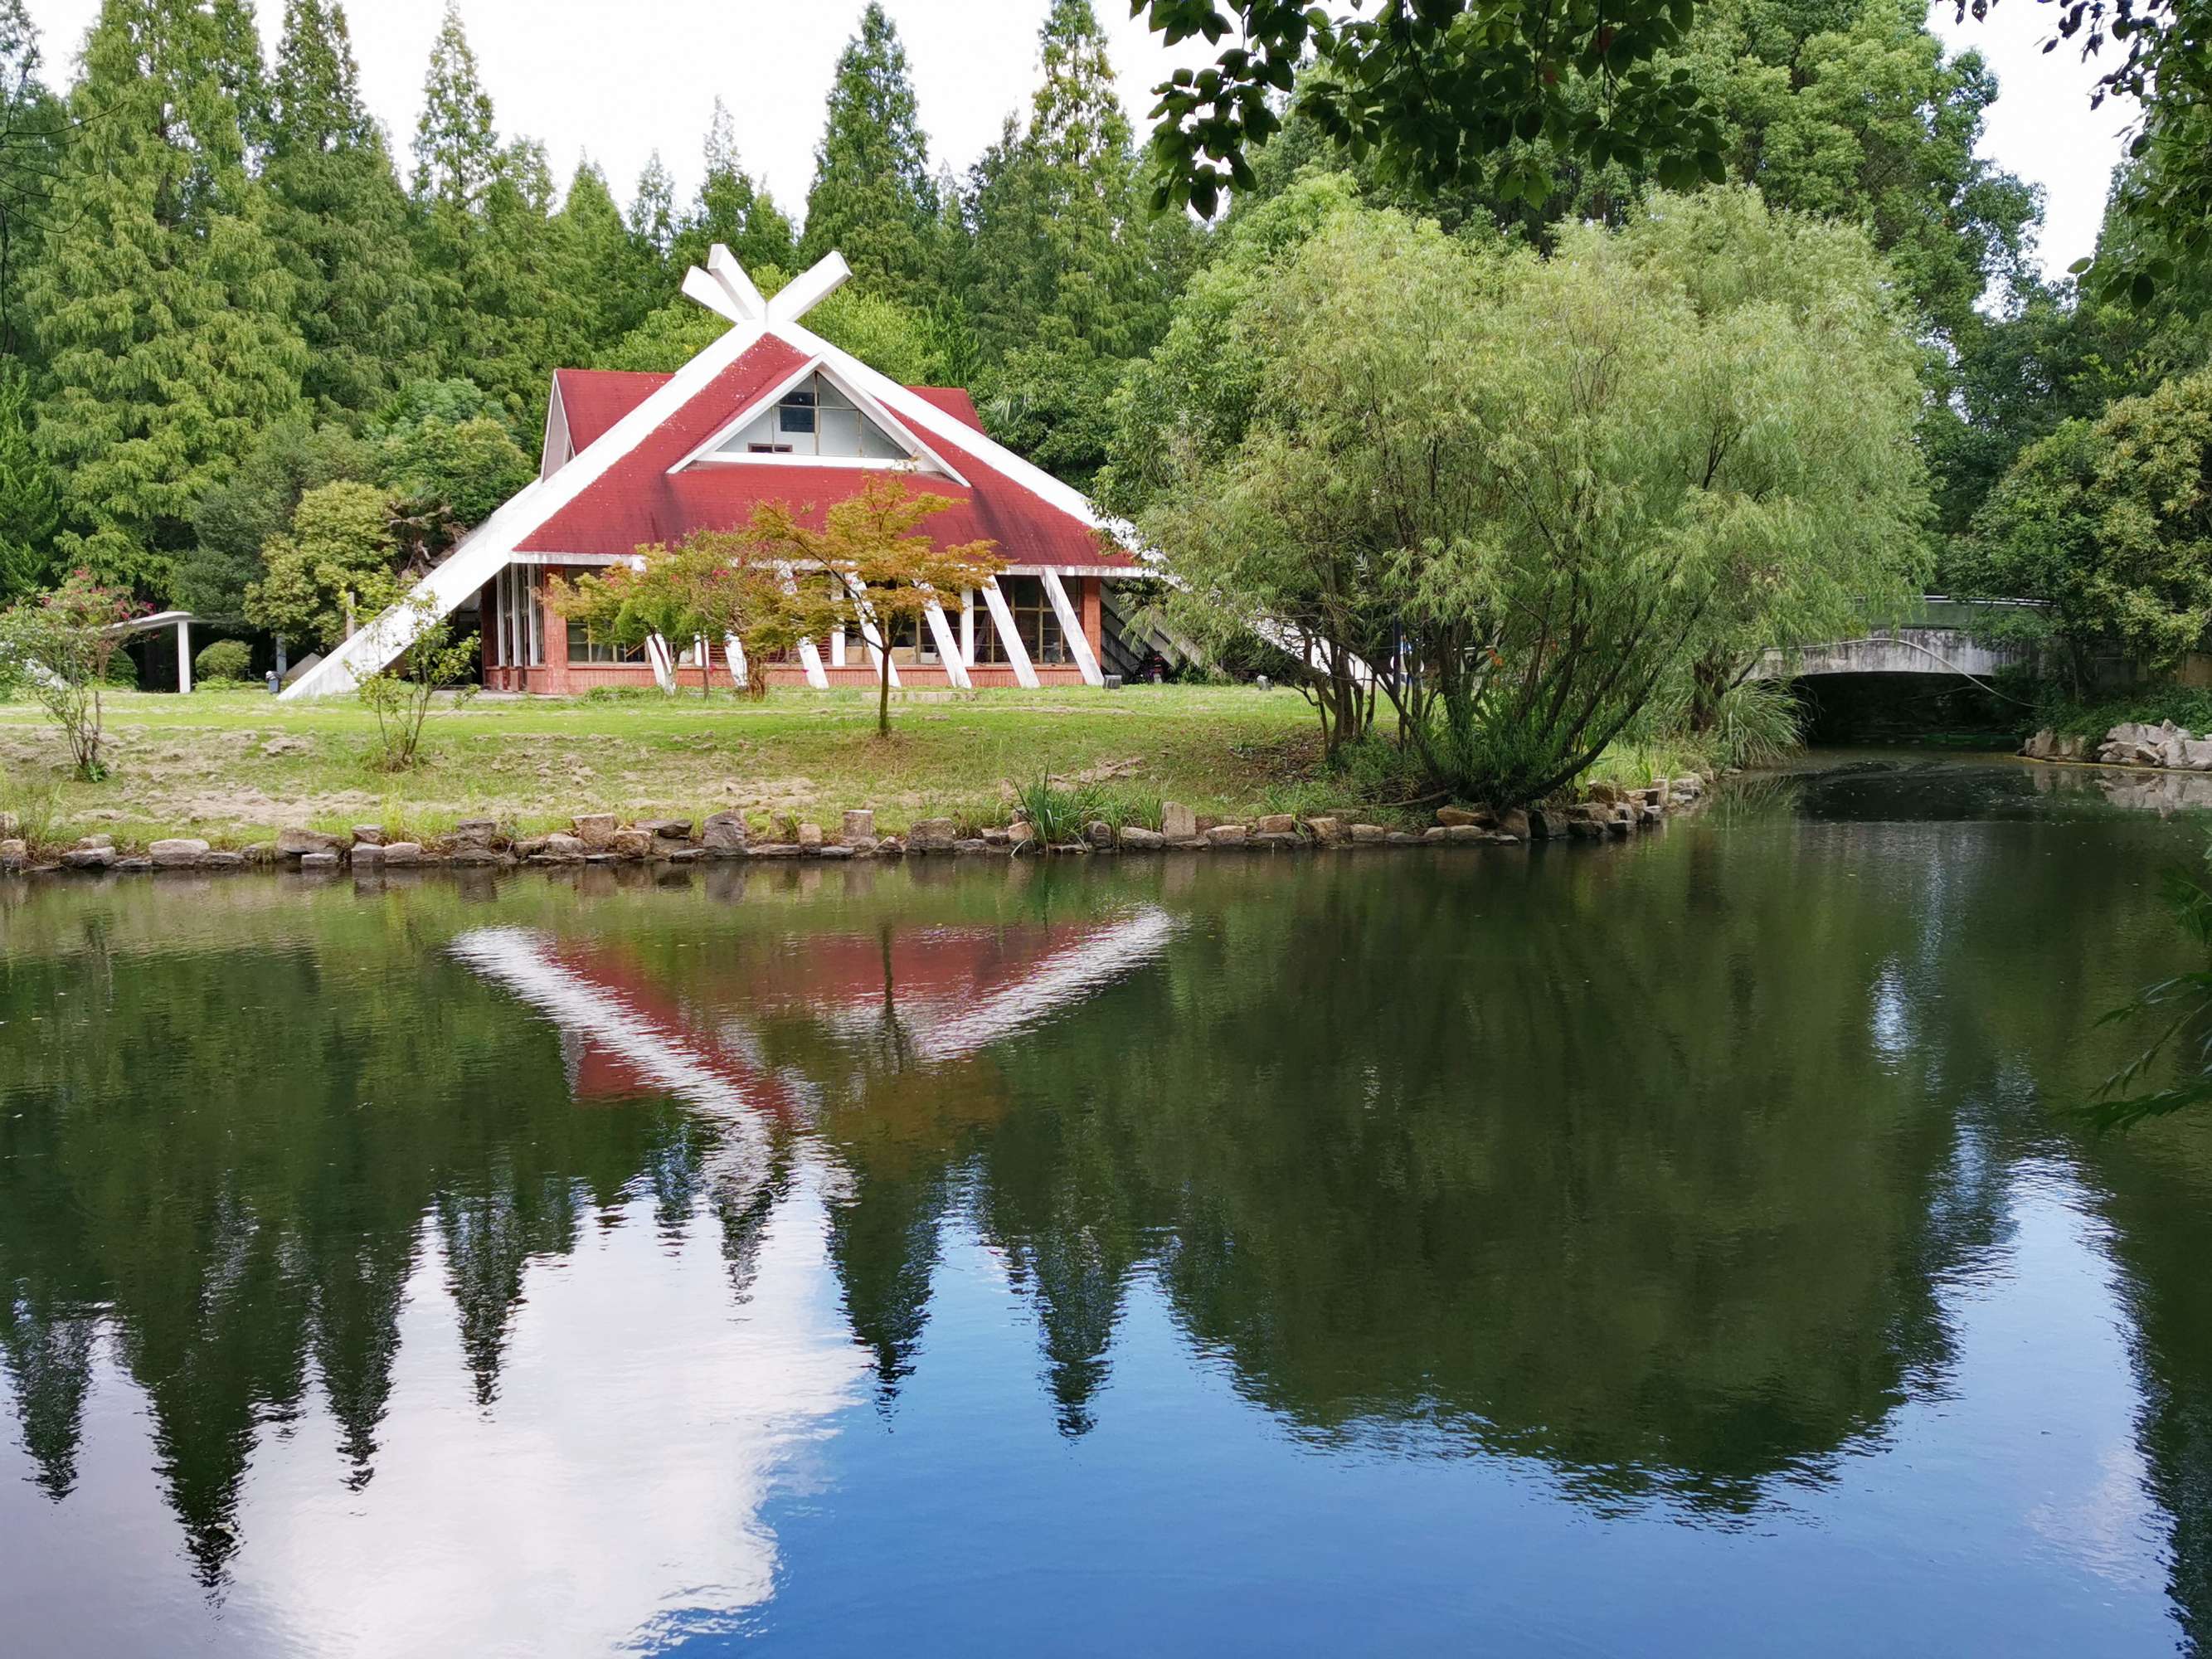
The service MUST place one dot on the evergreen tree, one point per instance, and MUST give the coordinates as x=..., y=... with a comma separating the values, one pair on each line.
x=602, y=274
x=339, y=220
x=653, y=209
x=30, y=505
x=733, y=211
x=872, y=198
x=484, y=230
x=1063, y=267
x=162, y=311
x=30, y=154
x=456, y=145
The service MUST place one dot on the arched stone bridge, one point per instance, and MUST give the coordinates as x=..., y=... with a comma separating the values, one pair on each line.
x=1940, y=638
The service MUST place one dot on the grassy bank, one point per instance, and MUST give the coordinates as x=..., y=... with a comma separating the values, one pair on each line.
x=233, y=766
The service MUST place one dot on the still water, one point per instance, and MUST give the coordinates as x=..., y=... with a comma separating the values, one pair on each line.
x=1676, y=1246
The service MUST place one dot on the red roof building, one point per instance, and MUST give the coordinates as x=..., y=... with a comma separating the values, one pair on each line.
x=770, y=411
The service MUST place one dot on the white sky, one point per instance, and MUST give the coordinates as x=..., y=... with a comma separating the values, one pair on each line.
x=619, y=78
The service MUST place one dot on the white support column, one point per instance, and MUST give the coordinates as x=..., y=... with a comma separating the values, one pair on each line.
x=948, y=648
x=664, y=663
x=837, y=649
x=1002, y=618
x=184, y=657
x=1070, y=625
x=810, y=656
x=736, y=654
x=967, y=627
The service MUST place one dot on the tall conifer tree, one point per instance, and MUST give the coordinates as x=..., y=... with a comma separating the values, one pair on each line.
x=30, y=156
x=456, y=146
x=340, y=220
x=874, y=199
x=733, y=210
x=162, y=311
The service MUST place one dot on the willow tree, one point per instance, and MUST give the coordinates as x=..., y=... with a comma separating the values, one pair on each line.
x=1523, y=499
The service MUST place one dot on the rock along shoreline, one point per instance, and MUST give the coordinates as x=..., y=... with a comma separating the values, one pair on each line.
x=2165, y=747
x=603, y=838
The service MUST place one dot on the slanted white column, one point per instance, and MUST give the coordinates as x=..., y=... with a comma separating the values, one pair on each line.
x=1070, y=624
x=736, y=654
x=663, y=665
x=967, y=627
x=185, y=655
x=871, y=631
x=810, y=657
x=1002, y=618
x=948, y=648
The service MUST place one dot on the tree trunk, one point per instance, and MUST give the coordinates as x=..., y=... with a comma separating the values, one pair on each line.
x=883, y=693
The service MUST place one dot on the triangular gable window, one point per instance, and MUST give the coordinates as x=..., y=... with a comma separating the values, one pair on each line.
x=814, y=418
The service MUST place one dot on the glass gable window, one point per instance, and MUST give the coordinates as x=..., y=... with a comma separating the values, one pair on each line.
x=815, y=418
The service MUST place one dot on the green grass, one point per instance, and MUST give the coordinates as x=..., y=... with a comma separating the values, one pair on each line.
x=200, y=765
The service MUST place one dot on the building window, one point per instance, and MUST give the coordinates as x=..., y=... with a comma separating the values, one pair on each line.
x=911, y=642
x=584, y=648
x=816, y=418
x=1035, y=620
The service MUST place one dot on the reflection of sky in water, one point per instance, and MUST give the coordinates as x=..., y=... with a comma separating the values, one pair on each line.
x=643, y=1417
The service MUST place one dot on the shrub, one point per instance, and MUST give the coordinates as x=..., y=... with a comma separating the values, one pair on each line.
x=63, y=647
x=1056, y=813
x=122, y=670
x=225, y=660
x=1758, y=724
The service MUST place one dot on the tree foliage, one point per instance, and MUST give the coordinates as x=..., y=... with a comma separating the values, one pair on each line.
x=2110, y=523
x=60, y=645
x=164, y=314
x=1527, y=495
x=332, y=568
x=873, y=198
x=883, y=569
x=712, y=586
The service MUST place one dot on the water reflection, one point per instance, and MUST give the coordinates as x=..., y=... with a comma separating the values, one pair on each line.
x=489, y=1264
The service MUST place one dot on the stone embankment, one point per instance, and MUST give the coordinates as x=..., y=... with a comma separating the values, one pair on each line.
x=2166, y=746
x=602, y=838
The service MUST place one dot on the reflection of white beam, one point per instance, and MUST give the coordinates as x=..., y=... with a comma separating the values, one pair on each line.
x=521, y=960
x=1064, y=977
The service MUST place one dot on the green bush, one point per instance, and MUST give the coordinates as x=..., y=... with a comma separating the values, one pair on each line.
x=2184, y=705
x=225, y=660
x=122, y=671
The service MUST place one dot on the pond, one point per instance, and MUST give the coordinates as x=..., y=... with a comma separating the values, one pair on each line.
x=1679, y=1246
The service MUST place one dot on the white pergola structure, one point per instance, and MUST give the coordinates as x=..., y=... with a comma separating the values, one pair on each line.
x=697, y=401
x=182, y=621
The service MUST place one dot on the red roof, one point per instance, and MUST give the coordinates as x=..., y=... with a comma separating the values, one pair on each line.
x=593, y=399
x=638, y=500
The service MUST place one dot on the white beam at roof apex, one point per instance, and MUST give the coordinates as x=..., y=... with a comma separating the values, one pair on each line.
x=809, y=289
x=723, y=266
x=699, y=286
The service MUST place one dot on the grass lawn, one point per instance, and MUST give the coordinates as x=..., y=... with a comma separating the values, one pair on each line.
x=233, y=766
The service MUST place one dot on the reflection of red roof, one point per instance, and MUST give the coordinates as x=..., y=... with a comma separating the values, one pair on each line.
x=639, y=500
x=926, y=974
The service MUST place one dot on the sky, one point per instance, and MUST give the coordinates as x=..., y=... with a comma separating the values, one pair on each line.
x=618, y=79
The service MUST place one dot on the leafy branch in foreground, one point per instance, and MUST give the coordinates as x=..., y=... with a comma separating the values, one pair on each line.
x=2183, y=1005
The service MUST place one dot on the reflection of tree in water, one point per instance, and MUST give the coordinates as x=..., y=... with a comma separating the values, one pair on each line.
x=1561, y=1156
x=1566, y=1159
x=2157, y=1194
x=245, y=1213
